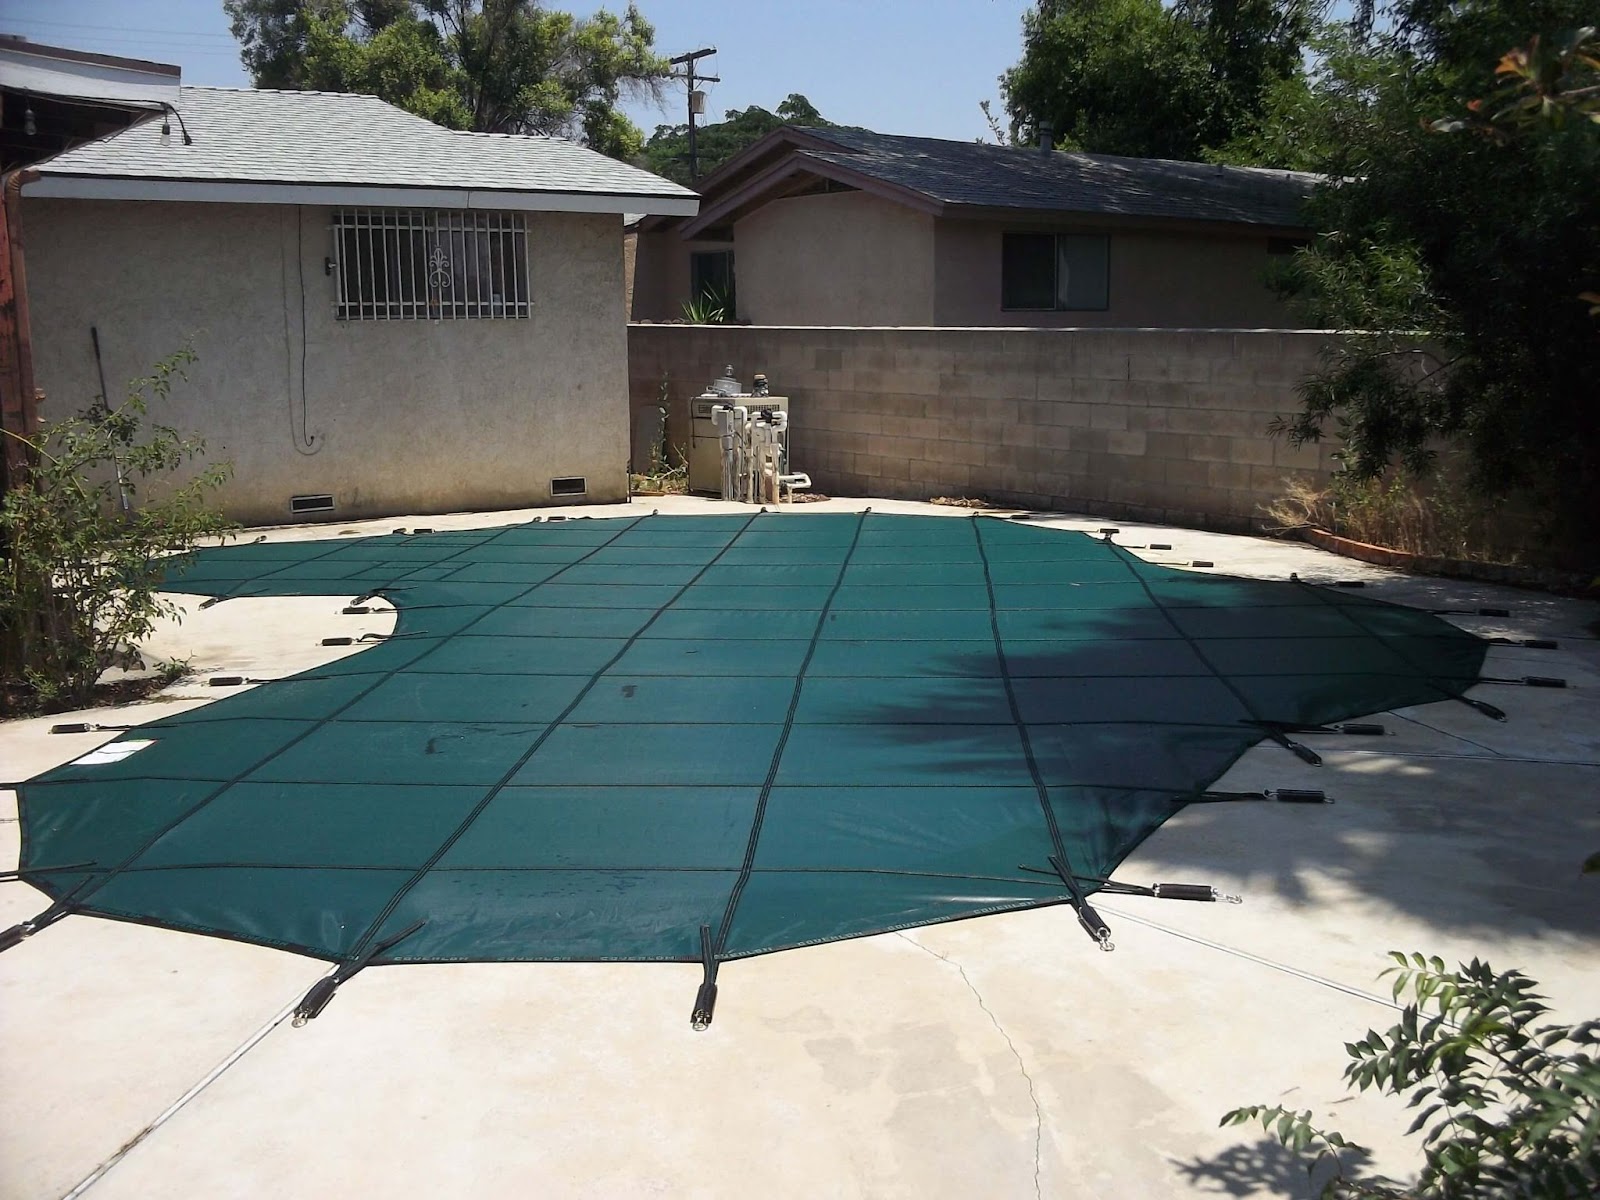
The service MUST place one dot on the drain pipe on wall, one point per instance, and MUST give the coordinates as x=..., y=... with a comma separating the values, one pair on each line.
x=19, y=408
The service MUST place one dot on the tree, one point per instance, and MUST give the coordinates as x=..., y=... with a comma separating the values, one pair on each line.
x=1467, y=257
x=1307, y=118
x=1131, y=77
x=496, y=66
x=667, y=151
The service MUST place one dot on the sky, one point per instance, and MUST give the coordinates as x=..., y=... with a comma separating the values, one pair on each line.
x=896, y=66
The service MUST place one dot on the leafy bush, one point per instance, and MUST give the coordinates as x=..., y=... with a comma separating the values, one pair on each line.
x=1508, y=1107
x=82, y=563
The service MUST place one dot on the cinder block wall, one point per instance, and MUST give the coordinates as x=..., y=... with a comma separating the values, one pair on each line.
x=1157, y=424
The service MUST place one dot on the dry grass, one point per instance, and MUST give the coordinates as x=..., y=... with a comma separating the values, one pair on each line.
x=1436, y=518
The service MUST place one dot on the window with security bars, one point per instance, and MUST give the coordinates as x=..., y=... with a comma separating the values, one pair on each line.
x=415, y=264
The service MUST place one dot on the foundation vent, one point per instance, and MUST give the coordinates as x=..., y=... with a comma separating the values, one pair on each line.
x=572, y=485
x=310, y=504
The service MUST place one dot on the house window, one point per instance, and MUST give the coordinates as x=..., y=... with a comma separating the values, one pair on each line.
x=1054, y=271
x=711, y=277
x=420, y=264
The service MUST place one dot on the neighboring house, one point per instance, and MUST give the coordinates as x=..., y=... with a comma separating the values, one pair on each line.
x=389, y=316
x=52, y=98
x=848, y=227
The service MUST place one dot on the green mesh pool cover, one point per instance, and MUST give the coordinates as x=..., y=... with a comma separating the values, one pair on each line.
x=590, y=739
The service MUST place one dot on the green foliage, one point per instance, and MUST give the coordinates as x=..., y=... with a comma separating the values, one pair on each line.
x=667, y=151
x=1508, y=1106
x=1549, y=80
x=497, y=66
x=1484, y=250
x=711, y=307
x=403, y=62
x=1132, y=77
x=1307, y=118
x=78, y=583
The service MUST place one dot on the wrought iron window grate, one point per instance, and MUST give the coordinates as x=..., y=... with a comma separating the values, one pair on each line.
x=418, y=264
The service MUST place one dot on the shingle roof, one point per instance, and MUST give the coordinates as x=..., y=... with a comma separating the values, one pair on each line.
x=335, y=139
x=975, y=174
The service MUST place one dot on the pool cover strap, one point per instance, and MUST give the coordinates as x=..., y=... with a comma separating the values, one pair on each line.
x=63, y=906
x=705, y=1000
x=1275, y=732
x=13, y=876
x=1159, y=891
x=1092, y=922
x=1281, y=795
x=323, y=989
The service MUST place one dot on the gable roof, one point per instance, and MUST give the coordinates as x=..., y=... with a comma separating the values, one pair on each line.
x=257, y=146
x=949, y=178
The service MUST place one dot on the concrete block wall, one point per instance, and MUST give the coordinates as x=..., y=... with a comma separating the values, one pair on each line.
x=1158, y=424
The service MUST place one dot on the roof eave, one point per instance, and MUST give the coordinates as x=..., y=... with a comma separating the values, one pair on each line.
x=64, y=185
x=759, y=190
x=1036, y=216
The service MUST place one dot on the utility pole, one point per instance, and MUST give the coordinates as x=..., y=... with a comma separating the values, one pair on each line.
x=689, y=76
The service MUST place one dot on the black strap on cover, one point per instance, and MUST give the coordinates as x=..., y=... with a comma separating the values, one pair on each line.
x=1279, y=732
x=26, y=929
x=705, y=1000
x=1202, y=892
x=1356, y=728
x=1093, y=923
x=1281, y=795
x=323, y=989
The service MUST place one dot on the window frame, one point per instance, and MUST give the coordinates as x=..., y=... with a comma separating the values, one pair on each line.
x=697, y=290
x=437, y=264
x=1055, y=237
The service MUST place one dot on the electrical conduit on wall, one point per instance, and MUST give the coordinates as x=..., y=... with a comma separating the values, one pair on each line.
x=305, y=442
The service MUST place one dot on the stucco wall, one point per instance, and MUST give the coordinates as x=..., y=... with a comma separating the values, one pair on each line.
x=401, y=416
x=661, y=274
x=839, y=258
x=1161, y=424
x=1172, y=280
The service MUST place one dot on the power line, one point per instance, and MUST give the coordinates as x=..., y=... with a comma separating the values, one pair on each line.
x=186, y=33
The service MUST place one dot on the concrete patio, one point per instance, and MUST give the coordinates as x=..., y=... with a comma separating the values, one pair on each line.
x=1001, y=1056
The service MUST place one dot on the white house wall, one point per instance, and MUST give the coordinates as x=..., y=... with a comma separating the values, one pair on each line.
x=387, y=416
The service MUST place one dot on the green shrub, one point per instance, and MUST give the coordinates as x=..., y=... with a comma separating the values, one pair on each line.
x=78, y=585
x=1508, y=1107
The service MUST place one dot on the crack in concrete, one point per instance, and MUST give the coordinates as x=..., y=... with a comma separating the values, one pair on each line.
x=1033, y=1095
x=1446, y=733
x=172, y=1109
